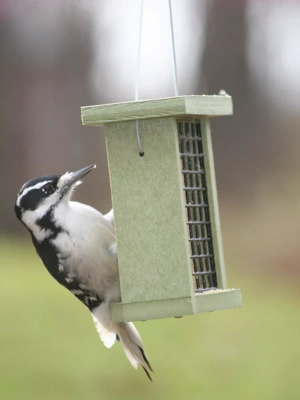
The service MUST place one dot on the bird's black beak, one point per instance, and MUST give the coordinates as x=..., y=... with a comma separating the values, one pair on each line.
x=68, y=180
x=76, y=176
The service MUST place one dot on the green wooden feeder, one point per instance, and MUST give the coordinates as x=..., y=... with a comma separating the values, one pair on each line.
x=166, y=209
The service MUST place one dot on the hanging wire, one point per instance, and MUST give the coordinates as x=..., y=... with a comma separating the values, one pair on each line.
x=137, y=77
x=175, y=80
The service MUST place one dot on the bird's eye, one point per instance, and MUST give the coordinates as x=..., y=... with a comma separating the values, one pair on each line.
x=48, y=188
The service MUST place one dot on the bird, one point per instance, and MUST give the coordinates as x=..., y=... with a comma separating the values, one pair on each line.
x=77, y=245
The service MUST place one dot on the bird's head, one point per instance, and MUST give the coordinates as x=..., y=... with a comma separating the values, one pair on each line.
x=40, y=196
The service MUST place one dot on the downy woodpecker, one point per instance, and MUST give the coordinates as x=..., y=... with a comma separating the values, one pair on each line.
x=77, y=245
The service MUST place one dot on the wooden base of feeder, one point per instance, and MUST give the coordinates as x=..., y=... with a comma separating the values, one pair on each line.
x=213, y=300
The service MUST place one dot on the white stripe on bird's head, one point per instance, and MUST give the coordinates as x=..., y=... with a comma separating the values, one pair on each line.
x=23, y=192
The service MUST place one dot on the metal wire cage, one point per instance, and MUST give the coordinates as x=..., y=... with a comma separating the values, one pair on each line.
x=197, y=205
x=166, y=210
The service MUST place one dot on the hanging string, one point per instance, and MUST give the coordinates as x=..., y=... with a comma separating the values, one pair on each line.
x=175, y=81
x=137, y=78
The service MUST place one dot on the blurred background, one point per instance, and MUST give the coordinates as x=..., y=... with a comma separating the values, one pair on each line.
x=57, y=56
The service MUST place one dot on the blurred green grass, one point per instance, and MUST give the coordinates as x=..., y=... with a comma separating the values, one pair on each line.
x=50, y=349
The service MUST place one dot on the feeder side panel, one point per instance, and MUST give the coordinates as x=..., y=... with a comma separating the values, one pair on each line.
x=149, y=210
x=213, y=202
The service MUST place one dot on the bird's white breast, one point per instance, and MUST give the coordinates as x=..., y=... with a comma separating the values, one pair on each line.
x=86, y=244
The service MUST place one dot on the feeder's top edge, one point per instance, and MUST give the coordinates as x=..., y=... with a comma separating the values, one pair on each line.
x=191, y=105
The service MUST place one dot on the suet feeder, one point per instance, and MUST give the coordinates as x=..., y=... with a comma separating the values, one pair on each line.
x=167, y=221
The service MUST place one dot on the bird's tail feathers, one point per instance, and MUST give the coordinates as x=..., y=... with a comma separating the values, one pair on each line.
x=128, y=336
x=133, y=347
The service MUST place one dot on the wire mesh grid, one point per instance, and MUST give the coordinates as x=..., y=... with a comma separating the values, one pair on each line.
x=197, y=207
